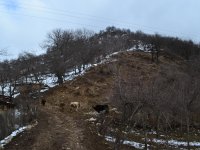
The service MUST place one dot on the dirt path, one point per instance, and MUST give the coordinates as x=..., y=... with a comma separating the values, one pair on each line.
x=55, y=131
x=68, y=130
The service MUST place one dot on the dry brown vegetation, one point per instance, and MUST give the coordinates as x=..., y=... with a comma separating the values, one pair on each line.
x=61, y=127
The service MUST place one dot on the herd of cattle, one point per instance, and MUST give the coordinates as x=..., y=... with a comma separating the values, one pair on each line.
x=104, y=108
x=5, y=101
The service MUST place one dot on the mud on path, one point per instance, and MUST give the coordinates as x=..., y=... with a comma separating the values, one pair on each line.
x=55, y=131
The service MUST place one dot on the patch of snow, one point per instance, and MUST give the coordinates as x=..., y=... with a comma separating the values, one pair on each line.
x=140, y=46
x=135, y=132
x=71, y=75
x=110, y=55
x=131, y=49
x=15, y=95
x=7, y=88
x=134, y=144
x=44, y=90
x=127, y=142
x=152, y=132
x=92, y=113
x=17, y=113
x=50, y=80
x=15, y=133
x=110, y=139
x=115, y=53
x=113, y=109
x=98, y=124
x=91, y=119
x=176, y=143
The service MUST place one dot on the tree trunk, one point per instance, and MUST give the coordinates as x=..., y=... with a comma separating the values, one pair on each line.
x=152, y=59
x=157, y=56
x=79, y=69
x=75, y=71
x=2, y=87
x=84, y=66
x=188, y=132
x=146, y=147
x=60, y=79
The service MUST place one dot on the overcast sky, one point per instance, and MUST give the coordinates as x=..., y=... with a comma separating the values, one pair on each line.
x=24, y=24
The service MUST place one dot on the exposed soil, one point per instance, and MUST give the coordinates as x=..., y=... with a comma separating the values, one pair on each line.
x=61, y=127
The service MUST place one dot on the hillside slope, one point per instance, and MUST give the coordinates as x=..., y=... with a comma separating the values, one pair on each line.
x=62, y=127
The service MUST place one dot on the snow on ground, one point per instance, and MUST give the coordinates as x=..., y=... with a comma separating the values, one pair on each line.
x=44, y=90
x=91, y=119
x=7, y=89
x=71, y=75
x=140, y=47
x=17, y=113
x=139, y=132
x=110, y=55
x=93, y=113
x=172, y=142
x=135, y=132
x=15, y=95
x=126, y=142
x=15, y=133
x=51, y=80
x=176, y=143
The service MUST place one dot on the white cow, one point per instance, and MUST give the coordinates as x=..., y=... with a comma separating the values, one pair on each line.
x=75, y=105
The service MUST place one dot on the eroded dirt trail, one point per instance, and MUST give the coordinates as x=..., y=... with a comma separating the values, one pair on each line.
x=60, y=128
x=55, y=131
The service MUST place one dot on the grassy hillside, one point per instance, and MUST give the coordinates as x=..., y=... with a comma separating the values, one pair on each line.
x=123, y=82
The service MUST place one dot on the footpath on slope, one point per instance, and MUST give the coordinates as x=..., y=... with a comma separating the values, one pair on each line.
x=58, y=127
x=61, y=128
x=55, y=131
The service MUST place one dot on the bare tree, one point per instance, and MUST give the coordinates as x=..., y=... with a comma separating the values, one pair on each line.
x=57, y=57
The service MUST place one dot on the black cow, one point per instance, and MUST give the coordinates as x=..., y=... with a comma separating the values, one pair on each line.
x=5, y=98
x=7, y=104
x=101, y=108
x=6, y=101
x=43, y=102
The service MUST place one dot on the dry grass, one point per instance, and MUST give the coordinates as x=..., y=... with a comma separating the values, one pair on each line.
x=95, y=87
